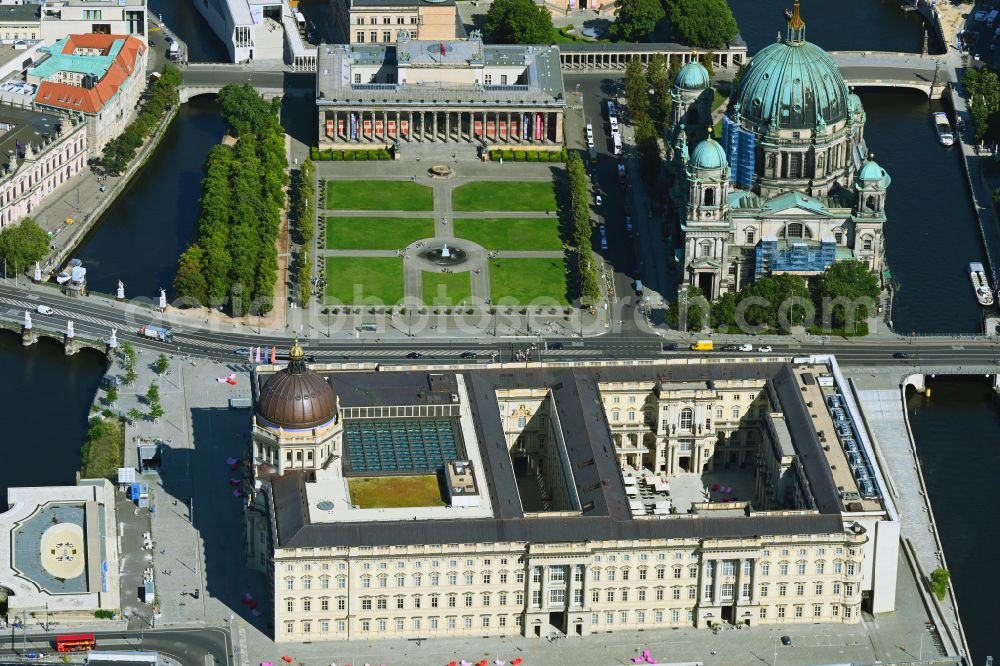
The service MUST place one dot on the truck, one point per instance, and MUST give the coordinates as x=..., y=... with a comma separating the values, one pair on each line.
x=703, y=345
x=156, y=333
x=174, y=52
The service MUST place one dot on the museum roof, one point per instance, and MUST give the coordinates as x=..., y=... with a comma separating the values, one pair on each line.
x=539, y=83
x=591, y=457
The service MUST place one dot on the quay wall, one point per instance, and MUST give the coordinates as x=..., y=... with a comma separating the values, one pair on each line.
x=955, y=634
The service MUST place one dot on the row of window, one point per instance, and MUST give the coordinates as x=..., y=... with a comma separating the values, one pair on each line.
x=417, y=580
x=386, y=20
x=399, y=564
x=359, y=36
x=416, y=624
x=608, y=618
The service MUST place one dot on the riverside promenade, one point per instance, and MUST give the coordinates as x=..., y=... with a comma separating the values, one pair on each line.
x=881, y=394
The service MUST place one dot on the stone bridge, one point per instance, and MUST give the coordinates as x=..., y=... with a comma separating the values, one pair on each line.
x=210, y=78
x=30, y=330
x=882, y=69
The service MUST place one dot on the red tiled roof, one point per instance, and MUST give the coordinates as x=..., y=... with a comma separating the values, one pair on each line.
x=92, y=100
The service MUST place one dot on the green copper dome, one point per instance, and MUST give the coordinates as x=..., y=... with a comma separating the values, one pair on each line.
x=871, y=174
x=708, y=154
x=793, y=84
x=693, y=76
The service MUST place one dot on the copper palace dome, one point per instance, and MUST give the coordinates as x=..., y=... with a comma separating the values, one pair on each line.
x=296, y=398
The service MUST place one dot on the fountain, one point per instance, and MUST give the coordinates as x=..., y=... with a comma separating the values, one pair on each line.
x=442, y=255
x=441, y=171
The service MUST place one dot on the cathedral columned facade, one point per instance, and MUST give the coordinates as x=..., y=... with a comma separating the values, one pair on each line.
x=790, y=187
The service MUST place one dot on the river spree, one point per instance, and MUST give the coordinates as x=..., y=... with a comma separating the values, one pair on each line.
x=141, y=235
x=957, y=431
x=45, y=411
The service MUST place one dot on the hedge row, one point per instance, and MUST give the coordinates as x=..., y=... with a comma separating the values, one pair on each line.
x=348, y=155
x=528, y=155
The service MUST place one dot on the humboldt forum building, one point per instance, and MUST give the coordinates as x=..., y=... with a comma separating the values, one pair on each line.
x=540, y=499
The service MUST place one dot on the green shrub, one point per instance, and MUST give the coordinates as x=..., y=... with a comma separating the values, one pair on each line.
x=104, y=614
x=939, y=582
x=314, y=153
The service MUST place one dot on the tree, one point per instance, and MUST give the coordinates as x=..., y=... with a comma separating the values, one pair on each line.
x=939, y=582
x=153, y=394
x=162, y=364
x=706, y=24
x=690, y=312
x=659, y=83
x=246, y=111
x=779, y=302
x=517, y=22
x=738, y=75
x=21, y=245
x=155, y=411
x=636, y=90
x=134, y=415
x=111, y=395
x=846, y=293
x=634, y=19
x=189, y=281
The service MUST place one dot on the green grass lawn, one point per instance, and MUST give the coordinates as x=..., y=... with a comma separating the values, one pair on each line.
x=528, y=279
x=386, y=492
x=104, y=449
x=376, y=233
x=498, y=233
x=378, y=277
x=447, y=288
x=378, y=195
x=718, y=100
x=505, y=195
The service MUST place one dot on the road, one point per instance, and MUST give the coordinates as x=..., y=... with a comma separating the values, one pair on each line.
x=92, y=319
x=189, y=647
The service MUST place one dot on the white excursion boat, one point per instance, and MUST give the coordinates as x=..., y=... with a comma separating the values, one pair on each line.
x=943, y=128
x=980, y=284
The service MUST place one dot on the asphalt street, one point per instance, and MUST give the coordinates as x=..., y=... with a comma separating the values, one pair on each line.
x=94, y=320
x=190, y=647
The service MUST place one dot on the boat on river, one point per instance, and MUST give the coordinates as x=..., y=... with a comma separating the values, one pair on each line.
x=980, y=284
x=943, y=128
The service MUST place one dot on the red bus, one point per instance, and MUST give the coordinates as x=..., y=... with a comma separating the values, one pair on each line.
x=76, y=643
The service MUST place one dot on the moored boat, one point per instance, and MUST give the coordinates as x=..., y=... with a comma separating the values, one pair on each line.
x=943, y=128
x=980, y=284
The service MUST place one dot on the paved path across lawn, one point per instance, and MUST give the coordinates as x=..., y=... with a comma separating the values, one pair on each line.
x=415, y=264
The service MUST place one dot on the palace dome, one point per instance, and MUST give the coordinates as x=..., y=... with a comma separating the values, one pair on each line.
x=709, y=154
x=793, y=84
x=692, y=76
x=296, y=398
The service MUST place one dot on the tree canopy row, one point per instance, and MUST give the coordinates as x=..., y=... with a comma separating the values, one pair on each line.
x=233, y=260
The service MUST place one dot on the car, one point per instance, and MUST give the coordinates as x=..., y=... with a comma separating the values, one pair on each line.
x=901, y=355
x=628, y=223
x=747, y=347
x=44, y=310
x=555, y=345
x=468, y=354
x=731, y=348
x=765, y=349
x=786, y=640
x=34, y=655
x=242, y=351
x=599, y=200
x=414, y=355
x=604, y=242
x=669, y=346
x=979, y=16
